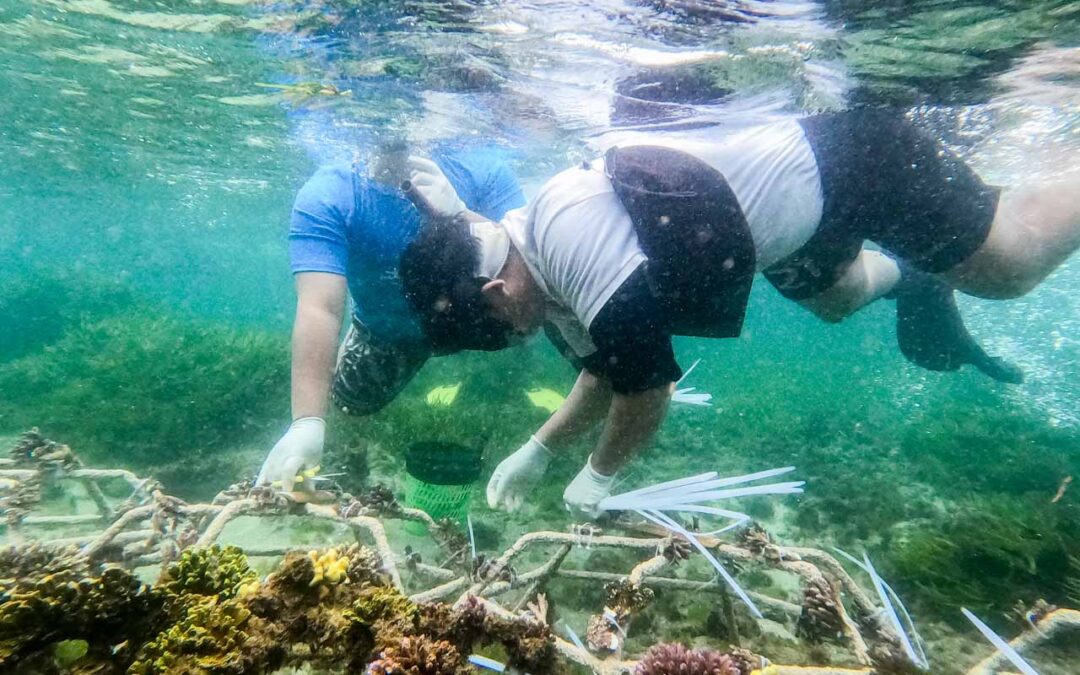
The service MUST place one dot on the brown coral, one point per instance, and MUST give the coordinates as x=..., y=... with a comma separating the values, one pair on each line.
x=675, y=659
x=68, y=599
x=626, y=598
x=376, y=500
x=530, y=646
x=820, y=617
x=33, y=449
x=210, y=636
x=602, y=635
x=417, y=655
x=213, y=570
x=746, y=661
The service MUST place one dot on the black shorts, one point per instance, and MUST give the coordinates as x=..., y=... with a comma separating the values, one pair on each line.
x=885, y=181
x=370, y=372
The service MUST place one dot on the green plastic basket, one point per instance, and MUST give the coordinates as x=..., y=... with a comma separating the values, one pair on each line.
x=440, y=480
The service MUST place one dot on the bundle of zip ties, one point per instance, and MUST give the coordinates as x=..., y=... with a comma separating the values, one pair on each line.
x=690, y=495
x=913, y=644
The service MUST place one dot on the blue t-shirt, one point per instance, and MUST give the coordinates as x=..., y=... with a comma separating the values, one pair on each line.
x=345, y=223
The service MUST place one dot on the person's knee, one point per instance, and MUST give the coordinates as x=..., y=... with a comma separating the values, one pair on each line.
x=833, y=309
x=843, y=299
x=1000, y=279
x=1010, y=286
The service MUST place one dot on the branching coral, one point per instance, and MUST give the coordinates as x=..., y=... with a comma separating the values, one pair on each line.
x=669, y=659
x=214, y=571
x=417, y=655
x=67, y=599
x=33, y=449
x=625, y=597
x=385, y=609
x=209, y=637
x=530, y=645
x=343, y=608
x=820, y=617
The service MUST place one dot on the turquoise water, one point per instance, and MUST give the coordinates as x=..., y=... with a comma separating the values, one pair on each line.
x=151, y=151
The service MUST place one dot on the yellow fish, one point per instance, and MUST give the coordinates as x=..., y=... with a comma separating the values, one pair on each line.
x=443, y=396
x=546, y=399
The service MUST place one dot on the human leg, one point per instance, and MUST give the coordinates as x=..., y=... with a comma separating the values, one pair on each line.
x=870, y=276
x=1034, y=230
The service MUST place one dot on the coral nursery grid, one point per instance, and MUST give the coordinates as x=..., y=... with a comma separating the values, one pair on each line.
x=209, y=612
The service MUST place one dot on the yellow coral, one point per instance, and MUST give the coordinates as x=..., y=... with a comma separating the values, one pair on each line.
x=247, y=590
x=330, y=567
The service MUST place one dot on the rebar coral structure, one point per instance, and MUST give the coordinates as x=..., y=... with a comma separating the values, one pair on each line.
x=364, y=605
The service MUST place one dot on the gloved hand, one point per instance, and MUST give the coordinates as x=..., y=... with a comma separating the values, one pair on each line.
x=585, y=492
x=430, y=184
x=517, y=475
x=300, y=448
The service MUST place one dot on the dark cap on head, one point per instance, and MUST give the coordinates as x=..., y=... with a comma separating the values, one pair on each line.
x=438, y=273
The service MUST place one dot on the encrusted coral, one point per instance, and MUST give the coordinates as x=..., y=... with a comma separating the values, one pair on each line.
x=626, y=598
x=530, y=645
x=603, y=635
x=33, y=449
x=377, y=500
x=68, y=599
x=820, y=617
x=214, y=571
x=745, y=661
x=462, y=625
x=210, y=637
x=671, y=659
x=329, y=567
x=676, y=550
x=37, y=560
x=384, y=604
x=448, y=535
x=417, y=655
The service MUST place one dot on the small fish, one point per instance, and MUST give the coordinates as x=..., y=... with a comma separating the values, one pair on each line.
x=545, y=399
x=1061, y=489
x=443, y=396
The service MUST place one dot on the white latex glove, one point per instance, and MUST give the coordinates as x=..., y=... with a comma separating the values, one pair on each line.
x=300, y=448
x=517, y=475
x=431, y=184
x=583, y=494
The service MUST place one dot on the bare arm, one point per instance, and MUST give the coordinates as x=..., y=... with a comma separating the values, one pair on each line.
x=320, y=307
x=583, y=408
x=631, y=421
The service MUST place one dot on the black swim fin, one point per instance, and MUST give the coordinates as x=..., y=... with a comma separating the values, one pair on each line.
x=931, y=332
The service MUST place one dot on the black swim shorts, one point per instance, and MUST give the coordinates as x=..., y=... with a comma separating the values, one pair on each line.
x=885, y=181
x=370, y=373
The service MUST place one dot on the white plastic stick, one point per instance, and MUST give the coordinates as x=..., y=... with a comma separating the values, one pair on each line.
x=573, y=637
x=1003, y=646
x=678, y=482
x=890, y=611
x=918, y=642
x=730, y=493
x=667, y=523
x=472, y=540
x=485, y=662
x=687, y=373
x=700, y=483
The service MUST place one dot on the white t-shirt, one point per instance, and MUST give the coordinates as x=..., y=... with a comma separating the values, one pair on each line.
x=580, y=245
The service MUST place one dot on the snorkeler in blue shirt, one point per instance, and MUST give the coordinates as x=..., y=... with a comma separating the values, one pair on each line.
x=348, y=230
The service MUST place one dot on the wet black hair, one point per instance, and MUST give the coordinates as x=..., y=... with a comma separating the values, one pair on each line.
x=438, y=273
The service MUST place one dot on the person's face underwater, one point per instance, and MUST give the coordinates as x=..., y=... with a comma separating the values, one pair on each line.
x=516, y=301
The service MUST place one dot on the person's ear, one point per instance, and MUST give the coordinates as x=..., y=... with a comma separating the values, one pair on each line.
x=493, y=288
